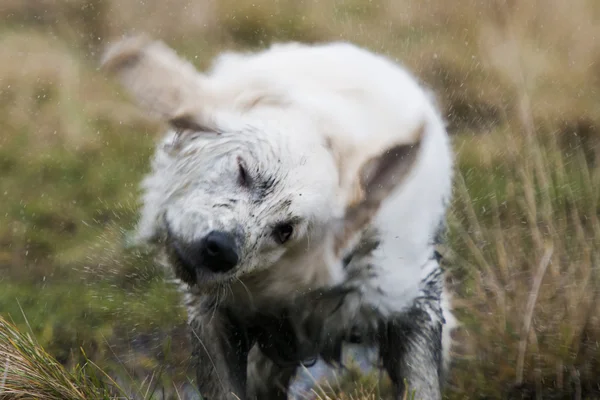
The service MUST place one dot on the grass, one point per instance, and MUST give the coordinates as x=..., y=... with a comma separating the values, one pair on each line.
x=29, y=372
x=525, y=260
x=518, y=82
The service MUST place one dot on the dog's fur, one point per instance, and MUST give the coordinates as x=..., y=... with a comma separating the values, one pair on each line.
x=331, y=169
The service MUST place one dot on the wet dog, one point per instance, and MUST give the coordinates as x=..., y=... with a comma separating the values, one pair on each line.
x=298, y=197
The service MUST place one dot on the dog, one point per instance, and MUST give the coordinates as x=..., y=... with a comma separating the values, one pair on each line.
x=298, y=197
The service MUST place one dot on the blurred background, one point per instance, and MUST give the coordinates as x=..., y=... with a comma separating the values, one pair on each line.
x=518, y=82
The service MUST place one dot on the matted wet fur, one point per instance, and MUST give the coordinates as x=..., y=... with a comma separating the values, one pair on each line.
x=298, y=197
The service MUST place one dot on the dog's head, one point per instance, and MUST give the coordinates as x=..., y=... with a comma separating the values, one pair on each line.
x=232, y=190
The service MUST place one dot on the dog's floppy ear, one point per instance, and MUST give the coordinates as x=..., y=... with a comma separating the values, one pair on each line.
x=159, y=80
x=377, y=178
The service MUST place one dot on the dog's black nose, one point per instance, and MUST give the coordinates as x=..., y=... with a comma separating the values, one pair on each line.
x=219, y=251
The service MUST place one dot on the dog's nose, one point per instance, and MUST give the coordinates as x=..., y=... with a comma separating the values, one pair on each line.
x=216, y=252
x=219, y=251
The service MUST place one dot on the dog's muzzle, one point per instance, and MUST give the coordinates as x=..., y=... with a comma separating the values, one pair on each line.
x=216, y=252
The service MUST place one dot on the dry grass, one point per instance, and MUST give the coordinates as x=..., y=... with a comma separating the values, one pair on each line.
x=518, y=81
x=525, y=260
x=28, y=372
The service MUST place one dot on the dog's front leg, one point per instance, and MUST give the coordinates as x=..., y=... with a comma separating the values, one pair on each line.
x=411, y=351
x=220, y=354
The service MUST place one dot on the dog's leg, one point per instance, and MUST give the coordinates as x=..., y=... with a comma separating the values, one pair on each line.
x=267, y=380
x=411, y=350
x=220, y=355
x=410, y=338
x=411, y=343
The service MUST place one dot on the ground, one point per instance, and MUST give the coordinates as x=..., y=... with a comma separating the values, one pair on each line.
x=518, y=82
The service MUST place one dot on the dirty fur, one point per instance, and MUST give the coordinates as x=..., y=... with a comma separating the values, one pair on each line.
x=297, y=197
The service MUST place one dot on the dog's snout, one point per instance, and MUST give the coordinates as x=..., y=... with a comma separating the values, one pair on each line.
x=216, y=252
x=219, y=252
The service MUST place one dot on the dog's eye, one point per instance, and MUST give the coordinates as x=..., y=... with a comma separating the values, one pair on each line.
x=283, y=232
x=243, y=177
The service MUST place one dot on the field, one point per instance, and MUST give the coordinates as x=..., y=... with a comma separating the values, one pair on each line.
x=519, y=85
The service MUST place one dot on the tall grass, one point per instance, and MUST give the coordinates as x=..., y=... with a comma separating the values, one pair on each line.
x=526, y=246
x=525, y=259
x=28, y=372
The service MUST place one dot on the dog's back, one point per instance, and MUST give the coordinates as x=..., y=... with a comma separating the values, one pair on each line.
x=369, y=84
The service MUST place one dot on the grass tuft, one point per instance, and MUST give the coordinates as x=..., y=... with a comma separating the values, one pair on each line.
x=27, y=371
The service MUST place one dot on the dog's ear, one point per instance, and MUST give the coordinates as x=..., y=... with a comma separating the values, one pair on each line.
x=378, y=177
x=159, y=80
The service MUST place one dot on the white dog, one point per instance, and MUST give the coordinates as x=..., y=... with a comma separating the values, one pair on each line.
x=298, y=197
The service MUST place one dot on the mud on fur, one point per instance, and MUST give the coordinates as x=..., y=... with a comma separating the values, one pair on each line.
x=298, y=197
